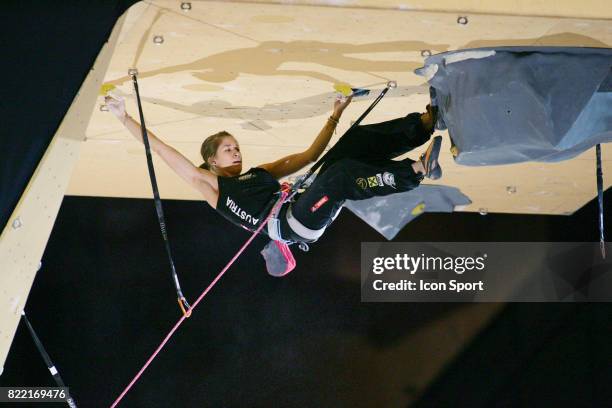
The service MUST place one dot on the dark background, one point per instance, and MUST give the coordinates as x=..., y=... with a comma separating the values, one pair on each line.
x=103, y=299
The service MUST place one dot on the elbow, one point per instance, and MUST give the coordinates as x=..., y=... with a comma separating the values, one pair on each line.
x=311, y=156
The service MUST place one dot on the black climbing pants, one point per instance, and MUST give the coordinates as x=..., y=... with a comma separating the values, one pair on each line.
x=359, y=166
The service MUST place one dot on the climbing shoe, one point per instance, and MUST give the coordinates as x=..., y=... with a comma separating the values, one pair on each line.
x=430, y=159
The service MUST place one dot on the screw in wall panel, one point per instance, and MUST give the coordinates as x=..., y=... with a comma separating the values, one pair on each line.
x=17, y=223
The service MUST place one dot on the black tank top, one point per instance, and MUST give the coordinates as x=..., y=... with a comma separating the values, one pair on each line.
x=243, y=199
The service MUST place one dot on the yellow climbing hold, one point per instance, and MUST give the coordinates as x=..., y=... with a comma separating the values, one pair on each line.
x=454, y=151
x=106, y=88
x=419, y=209
x=344, y=89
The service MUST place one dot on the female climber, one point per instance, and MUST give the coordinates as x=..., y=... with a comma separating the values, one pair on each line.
x=359, y=166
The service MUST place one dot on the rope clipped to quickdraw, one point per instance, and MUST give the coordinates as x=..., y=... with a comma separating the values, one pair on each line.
x=602, y=241
x=50, y=366
x=158, y=204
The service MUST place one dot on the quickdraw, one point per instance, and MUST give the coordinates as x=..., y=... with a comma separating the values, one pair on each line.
x=183, y=304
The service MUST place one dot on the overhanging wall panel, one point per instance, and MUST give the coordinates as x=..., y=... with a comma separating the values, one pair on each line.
x=25, y=236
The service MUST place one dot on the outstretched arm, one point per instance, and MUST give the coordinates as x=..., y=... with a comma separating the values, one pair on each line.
x=201, y=179
x=292, y=163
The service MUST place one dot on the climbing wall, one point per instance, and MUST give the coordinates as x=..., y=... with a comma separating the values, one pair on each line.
x=24, y=237
x=265, y=72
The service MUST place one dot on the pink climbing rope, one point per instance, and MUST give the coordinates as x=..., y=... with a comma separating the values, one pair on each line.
x=284, y=194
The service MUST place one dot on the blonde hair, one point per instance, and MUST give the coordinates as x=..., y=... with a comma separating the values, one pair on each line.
x=209, y=147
